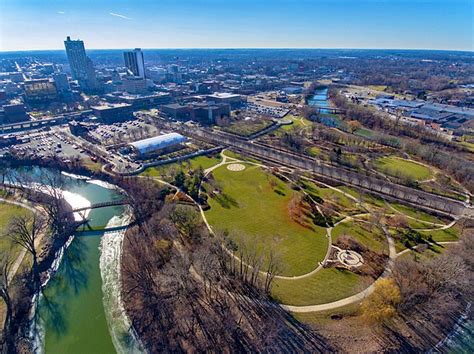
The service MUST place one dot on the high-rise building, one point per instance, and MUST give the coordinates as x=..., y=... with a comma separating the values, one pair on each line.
x=82, y=68
x=135, y=62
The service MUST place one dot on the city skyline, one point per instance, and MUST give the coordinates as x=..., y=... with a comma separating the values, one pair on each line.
x=366, y=24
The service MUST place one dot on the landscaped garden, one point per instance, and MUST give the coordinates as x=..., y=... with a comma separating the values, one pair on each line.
x=363, y=232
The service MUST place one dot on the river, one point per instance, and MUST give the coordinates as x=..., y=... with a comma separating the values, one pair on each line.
x=80, y=310
x=320, y=99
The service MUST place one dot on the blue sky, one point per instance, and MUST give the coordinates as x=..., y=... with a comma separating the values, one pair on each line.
x=428, y=24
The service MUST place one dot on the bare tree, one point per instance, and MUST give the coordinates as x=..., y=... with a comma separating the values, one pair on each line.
x=25, y=231
x=5, y=337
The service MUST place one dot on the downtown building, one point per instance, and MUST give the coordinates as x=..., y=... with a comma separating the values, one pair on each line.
x=82, y=68
x=135, y=62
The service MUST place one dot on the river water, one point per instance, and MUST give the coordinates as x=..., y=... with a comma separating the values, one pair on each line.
x=320, y=99
x=80, y=310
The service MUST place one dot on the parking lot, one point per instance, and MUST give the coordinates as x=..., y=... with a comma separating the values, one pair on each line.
x=47, y=144
x=122, y=132
x=275, y=112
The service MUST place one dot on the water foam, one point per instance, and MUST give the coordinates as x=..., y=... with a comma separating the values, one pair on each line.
x=121, y=331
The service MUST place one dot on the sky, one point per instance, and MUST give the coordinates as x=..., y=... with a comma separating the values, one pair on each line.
x=407, y=24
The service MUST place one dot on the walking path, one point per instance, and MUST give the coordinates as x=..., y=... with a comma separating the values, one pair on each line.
x=339, y=303
x=16, y=265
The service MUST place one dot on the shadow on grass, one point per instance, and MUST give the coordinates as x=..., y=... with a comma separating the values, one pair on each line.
x=226, y=201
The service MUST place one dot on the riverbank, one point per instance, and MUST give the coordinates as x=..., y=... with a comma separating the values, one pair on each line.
x=23, y=293
x=75, y=291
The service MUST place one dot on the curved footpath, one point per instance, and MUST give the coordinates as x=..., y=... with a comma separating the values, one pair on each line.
x=335, y=304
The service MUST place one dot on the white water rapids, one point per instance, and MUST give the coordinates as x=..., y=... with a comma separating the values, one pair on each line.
x=121, y=332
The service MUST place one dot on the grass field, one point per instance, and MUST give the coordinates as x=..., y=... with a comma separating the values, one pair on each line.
x=364, y=132
x=325, y=286
x=371, y=238
x=330, y=196
x=394, y=166
x=194, y=163
x=417, y=214
x=366, y=198
x=298, y=122
x=451, y=234
x=7, y=212
x=248, y=204
x=322, y=317
x=246, y=128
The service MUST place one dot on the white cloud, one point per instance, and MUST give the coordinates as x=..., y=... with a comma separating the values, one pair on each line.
x=120, y=16
x=61, y=12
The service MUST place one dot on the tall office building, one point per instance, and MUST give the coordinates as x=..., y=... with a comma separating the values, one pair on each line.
x=82, y=68
x=135, y=62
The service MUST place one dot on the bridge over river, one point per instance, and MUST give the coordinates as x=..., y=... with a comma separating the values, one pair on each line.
x=102, y=205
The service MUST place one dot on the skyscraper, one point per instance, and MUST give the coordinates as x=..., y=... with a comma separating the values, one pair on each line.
x=135, y=62
x=82, y=68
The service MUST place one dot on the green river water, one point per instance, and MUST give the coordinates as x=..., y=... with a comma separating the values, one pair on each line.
x=80, y=311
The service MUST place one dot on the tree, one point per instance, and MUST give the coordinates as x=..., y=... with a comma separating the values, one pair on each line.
x=179, y=179
x=353, y=125
x=188, y=222
x=5, y=338
x=381, y=305
x=24, y=231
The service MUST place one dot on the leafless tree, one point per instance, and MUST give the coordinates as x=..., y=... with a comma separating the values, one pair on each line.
x=5, y=337
x=25, y=231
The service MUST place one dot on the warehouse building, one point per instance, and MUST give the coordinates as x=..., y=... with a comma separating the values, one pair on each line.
x=158, y=144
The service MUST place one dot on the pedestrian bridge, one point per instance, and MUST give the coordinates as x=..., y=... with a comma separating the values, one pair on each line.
x=102, y=205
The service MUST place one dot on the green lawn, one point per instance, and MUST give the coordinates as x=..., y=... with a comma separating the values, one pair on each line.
x=248, y=204
x=330, y=196
x=371, y=238
x=298, y=122
x=451, y=234
x=364, y=132
x=246, y=128
x=395, y=166
x=194, y=163
x=417, y=214
x=366, y=198
x=325, y=286
x=314, y=151
x=7, y=212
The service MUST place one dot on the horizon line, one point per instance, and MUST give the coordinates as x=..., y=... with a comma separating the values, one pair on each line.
x=237, y=48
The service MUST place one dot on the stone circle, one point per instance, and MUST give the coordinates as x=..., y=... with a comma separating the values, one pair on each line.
x=235, y=167
x=350, y=258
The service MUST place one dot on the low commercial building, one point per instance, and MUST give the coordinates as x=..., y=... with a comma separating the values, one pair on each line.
x=112, y=113
x=234, y=100
x=13, y=113
x=177, y=111
x=40, y=90
x=205, y=113
x=135, y=85
x=157, y=144
x=140, y=101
